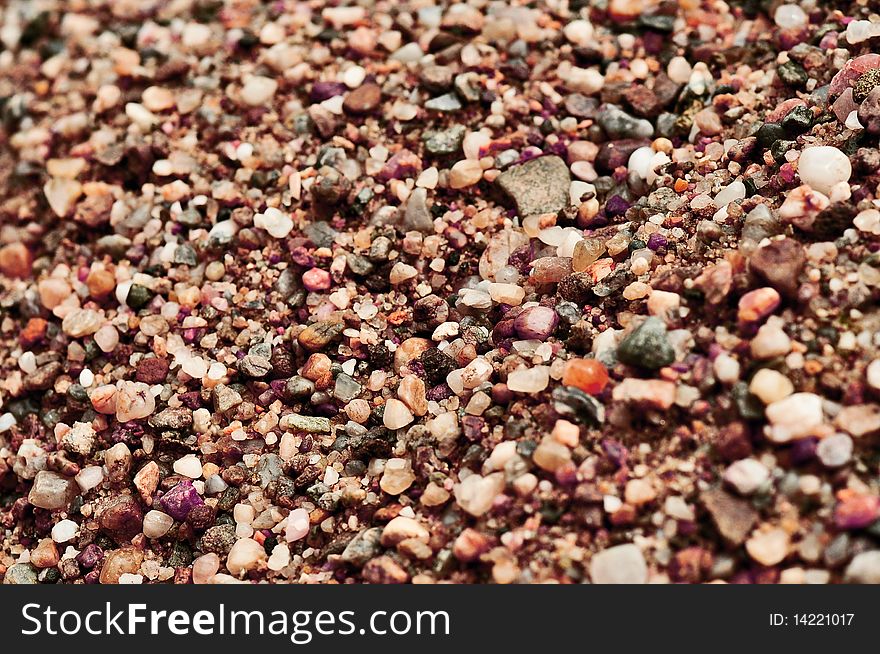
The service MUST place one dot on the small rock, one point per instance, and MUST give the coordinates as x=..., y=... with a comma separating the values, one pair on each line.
x=413, y=393
x=475, y=494
x=770, y=386
x=733, y=517
x=863, y=569
x=62, y=195
x=550, y=455
x=618, y=124
x=246, y=554
x=384, y=570
x=538, y=186
x=45, y=555
x=397, y=477
x=835, y=450
x=225, y=398
x=81, y=322
x=157, y=524
x=536, y=323
x=622, y=564
x=396, y=414
x=402, y=528
x=52, y=491
x=768, y=547
x=647, y=346
x=310, y=424
x=758, y=304
x=648, y=393
x=320, y=334
x=133, y=401
x=793, y=417
x=529, y=380
x=180, y=500
x=21, y=574
x=258, y=91
x=117, y=563
x=363, y=99
x=780, y=263
x=859, y=420
x=746, y=475
x=822, y=167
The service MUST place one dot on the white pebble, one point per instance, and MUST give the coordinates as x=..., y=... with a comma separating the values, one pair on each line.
x=28, y=363
x=790, y=17
x=274, y=221
x=64, y=531
x=86, y=378
x=188, y=466
x=258, y=90
x=823, y=167
x=89, y=478
x=746, y=475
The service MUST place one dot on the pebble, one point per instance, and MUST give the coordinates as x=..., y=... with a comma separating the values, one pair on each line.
x=134, y=401
x=621, y=564
x=835, y=450
x=770, y=386
x=758, y=304
x=45, y=555
x=205, y=567
x=246, y=554
x=413, y=394
x=733, y=517
x=277, y=223
x=297, y=525
x=396, y=415
x=157, y=524
x=363, y=99
x=790, y=16
x=794, y=417
x=397, y=476
x=538, y=186
x=779, y=263
x=746, y=475
x=588, y=375
x=188, y=466
x=52, y=491
x=647, y=346
x=864, y=568
x=475, y=494
x=81, y=322
x=536, y=323
x=258, y=90
x=180, y=500
x=872, y=374
x=649, y=393
x=64, y=531
x=618, y=124
x=529, y=380
x=768, y=547
x=823, y=167
x=402, y=528
x=464, y=173
x=770, y=342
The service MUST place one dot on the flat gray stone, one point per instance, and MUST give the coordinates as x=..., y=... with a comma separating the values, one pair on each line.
x=538, y=186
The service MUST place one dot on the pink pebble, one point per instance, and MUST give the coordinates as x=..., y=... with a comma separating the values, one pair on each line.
x=316, y=279
x=297, y=525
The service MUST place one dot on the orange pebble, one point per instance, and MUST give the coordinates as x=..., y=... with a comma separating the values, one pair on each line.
x=680, y=186
x=586, y=374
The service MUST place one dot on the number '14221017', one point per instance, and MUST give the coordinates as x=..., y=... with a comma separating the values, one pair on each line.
x=812, y=619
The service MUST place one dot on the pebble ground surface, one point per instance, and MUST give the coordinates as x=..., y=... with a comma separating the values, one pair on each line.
x=416, y=292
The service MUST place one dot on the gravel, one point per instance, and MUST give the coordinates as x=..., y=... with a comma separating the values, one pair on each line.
x=468, y=293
